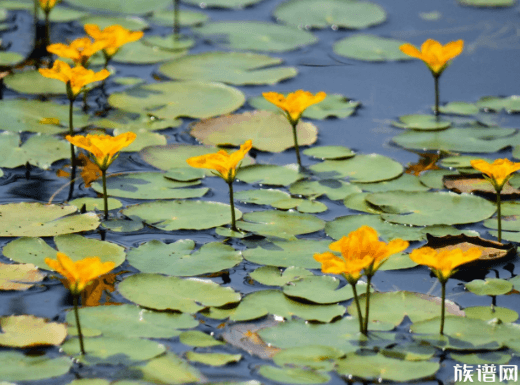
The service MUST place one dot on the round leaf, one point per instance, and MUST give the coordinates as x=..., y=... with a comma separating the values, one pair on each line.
x=34, y=367
x=121, y=6
x=422, y=123
x=489, y=286
x=213, y=359
x=370, y=48
x=269, y=174
x=293, y=375
x=26, y=331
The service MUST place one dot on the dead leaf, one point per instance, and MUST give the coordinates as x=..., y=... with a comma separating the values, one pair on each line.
x=19, y=276
x=27, y=330
x=475, y=183
x=245, y=336
x=426, y=162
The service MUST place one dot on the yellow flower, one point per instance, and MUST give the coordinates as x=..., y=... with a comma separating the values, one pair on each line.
x=498, y=172
x=434, y=54
x=79, y=50
x=75, y=78
x=104, y=148
x=222, y=162
x=360, y=250
x=295, y=103
x=443, y=263
x=47, y=5
x=114, y=36
x=79, y=274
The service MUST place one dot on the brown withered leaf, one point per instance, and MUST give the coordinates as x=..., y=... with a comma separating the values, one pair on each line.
x=475, y=183
x=27, y=330
x=89, y=171
x=19, y=276
x=93, y=293
x=426, y=162
x=245, y=336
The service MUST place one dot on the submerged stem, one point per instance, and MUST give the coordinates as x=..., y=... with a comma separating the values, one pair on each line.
x=78, y=325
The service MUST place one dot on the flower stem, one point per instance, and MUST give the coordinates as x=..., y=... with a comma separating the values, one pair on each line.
x=358, y=307
x=443, y=310
x=232, y=204
x=78, y=325
x=72, y=153
x=176, y=27
x=499, y=215
x=105, y=197
x=367, y=304
x=47, y=29
x=436, y=80
x=296, y=147
x=36, y=12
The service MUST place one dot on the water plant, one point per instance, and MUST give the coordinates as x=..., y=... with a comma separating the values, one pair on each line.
x=78, y=275
x=79, y=50
x=436, y=57
x=47, y=6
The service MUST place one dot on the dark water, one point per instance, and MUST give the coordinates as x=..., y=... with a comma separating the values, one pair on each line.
x=488, y=66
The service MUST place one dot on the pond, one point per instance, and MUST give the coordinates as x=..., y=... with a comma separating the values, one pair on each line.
x=190, y=302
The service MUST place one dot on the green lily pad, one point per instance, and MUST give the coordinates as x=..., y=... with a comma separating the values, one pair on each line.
x=461, y=161
x=19, y=277
x=322, y=289
x=298, y=253
x=237, y=68
x=186, y=295
x=411, y=351
x=123, y=225
x=174, y=156
x=17, y=5
x=333, y=188
x=485, y=313
x=302, y=205
x=261, y=196
x=338, y=13
x=170, y=43
x=496, y=358
x=373, y=367
x=138, y=52
x=434, y=178
x=92, y=204
x=39, y=150
x=272, y=276
x=144, y=138
x=316, y=357
x=10, y=58
x=337, y=106
x=269, y=174
x=213, y=359
x=489, y=286
x=169, y=369
x=170, y=100
x=223, y=3
x=393, y=306
x=186, y=18
x=361, y=168
x=329, y=152
x=132, y=23
x=468, y=139
x=370, y=48
x=488, y=3
x=138, y=323
x=296, y=375
x=280, y=224
x=36, y=219
x=459, y=108
x=399, y=261
x=256, y=36
x=431, y=208
x=25, y=331
x=358, y=202
x=422, y=123
x=124, y=121
x=32, y=82
x=185, y=174
x=269, y=131
x=113, y=351
x=149, y=185
x=178, y=258
x=121, y=6
x=496, y=104
x=261, y=303
x=405, y=182
x=63, y=15
x=176, y=215
x=198, y=339
x=34, y=367
x=35, y=250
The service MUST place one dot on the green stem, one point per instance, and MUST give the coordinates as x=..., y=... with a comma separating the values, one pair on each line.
x=499, y=214
x=358, y=307
x=176, y=25
x=72, y=152
x=232, y=204
x=36, y=12
x=443, y=310
x=296, y=147
x=367, y=304
x=436, y=80
x=47, y=29
x=105, y=197
x=78, y=325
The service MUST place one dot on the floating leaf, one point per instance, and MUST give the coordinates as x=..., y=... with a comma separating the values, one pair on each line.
x=434, y=178
x=333, y=188
x=298, y=253
x=170, y=43
x=223, y=3
x=36, y=219
x=370, y=48
x=10, y=58
x=132, y=23
x=329, y=152
x=269, y=131
x=489, y=286
x=459, y=108
x=333, y=105
x=139, y=52
x=169, y=369
x=177, y=258
x=113, y=351
x=360, y=169
x=256, y=36
x=149, y=185
x=293, y=375
x=317, y=357
x=34, y=367
x=475, y=183
x=170, y=100
x=186, y=18
x=32, y=82
x=123, y=225
x=461, y=161
x=487, y=3
x=261, y=196
x=138, y=323
x=25, y=331
x=405, y=182
x=343, y=14
x=198, y=339
x=496, y=358
x=280, y=224
x=269, y=174
x=185, y=174
x=186, y=295
x=486, y=313
x=411, y=351
x=19, y=276
x=237, y=68
x=176, y=215
x=431, y=208
x=322, y=289
x=272, y=276
x=121, y=6
x=213, y=359
x=422, y=123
